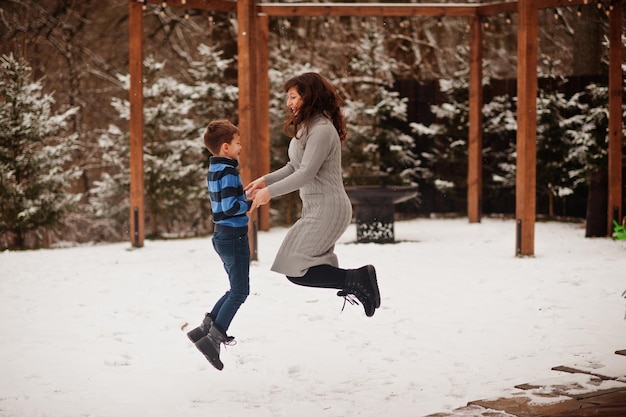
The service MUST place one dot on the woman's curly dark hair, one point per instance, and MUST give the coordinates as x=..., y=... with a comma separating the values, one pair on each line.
x=318, y=97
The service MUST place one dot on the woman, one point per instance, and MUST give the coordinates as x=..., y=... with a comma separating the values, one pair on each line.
x=306, y=256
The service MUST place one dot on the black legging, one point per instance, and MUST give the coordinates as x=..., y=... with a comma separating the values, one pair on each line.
x=322, y=276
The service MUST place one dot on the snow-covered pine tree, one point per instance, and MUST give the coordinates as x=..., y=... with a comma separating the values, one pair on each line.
x=172, y=155
x=446, y=160
x=589, y=138
x=589, y=150
x=499, y=154
x=212, y=95
x=555, y=116
x=378, y=151
x=173, y=164
x=589, y=153
x=588, y=129
x=109, y=197
x=35, y=156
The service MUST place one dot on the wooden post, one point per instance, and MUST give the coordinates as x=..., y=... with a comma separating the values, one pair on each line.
x=615, y=117
x=135, y=47
x=247, y=80
x=263, y=111
x=526, y=173
x=475, y=143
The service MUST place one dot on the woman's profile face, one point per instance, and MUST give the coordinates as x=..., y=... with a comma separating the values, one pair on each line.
x=294, y=100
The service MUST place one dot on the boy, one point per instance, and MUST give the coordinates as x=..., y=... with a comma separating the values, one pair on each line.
x=230, y=237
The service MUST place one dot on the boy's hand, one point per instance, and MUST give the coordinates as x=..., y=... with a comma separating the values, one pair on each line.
x=261, y=197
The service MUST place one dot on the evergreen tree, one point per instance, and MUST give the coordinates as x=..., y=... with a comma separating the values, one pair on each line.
x=555, y=116
x=378, y=151
x=499, y=154
x=589, y=153
x=590, y=149
x=588, y=138
x=109, y=196
x=35, y=174
x=212, y=94
x=446, y=161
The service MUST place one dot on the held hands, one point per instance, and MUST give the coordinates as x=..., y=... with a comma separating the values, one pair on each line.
x=261, y=197
x=258, y=192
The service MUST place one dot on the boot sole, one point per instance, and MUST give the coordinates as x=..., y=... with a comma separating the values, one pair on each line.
x=371, y=272
x=205, y=346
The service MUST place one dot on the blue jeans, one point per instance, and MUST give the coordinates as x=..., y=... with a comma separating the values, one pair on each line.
x=235, y=254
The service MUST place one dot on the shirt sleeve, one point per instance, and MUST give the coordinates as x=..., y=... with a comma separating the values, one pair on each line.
x=318, y=147
x=232, y=202
x=279, y=174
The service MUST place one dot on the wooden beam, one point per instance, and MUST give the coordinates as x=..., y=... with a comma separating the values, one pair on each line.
x=135, y=63
x=512, y=6
x=549, y=4
x=615, y=117
x=212, y=5
x=263, y=111
x=247, y=80
x=475, y=141
x=403, y=9
x=525, y=176
x=368, y=9
x=492, y=9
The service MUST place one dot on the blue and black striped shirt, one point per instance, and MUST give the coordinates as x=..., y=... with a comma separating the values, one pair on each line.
x=228, y=200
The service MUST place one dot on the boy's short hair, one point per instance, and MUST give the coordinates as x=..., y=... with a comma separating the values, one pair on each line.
x=217, y=133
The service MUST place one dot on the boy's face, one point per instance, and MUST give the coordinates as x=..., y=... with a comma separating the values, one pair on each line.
x=232, y=149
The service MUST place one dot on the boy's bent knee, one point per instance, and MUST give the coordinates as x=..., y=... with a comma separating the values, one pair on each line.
x=238, y=297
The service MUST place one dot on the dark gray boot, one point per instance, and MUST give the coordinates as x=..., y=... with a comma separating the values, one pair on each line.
x=202, y=330
x=209, y=345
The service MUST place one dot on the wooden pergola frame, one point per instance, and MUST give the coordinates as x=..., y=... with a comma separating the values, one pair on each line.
x=253, y=57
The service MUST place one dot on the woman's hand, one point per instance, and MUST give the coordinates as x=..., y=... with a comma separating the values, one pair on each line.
x=261, y=197
x=252, y=188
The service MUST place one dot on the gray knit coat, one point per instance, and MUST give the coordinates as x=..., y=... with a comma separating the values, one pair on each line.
x=314, y=168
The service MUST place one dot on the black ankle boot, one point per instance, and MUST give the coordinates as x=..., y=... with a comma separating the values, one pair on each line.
x=362, y=284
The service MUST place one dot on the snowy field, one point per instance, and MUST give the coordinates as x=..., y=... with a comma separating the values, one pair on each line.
x=96, y=330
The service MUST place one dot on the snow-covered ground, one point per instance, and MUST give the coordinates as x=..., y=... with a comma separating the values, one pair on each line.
x=96, y=330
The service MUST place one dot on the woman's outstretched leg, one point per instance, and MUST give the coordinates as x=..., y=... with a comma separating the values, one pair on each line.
x=360, y=283
x=322, y=276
